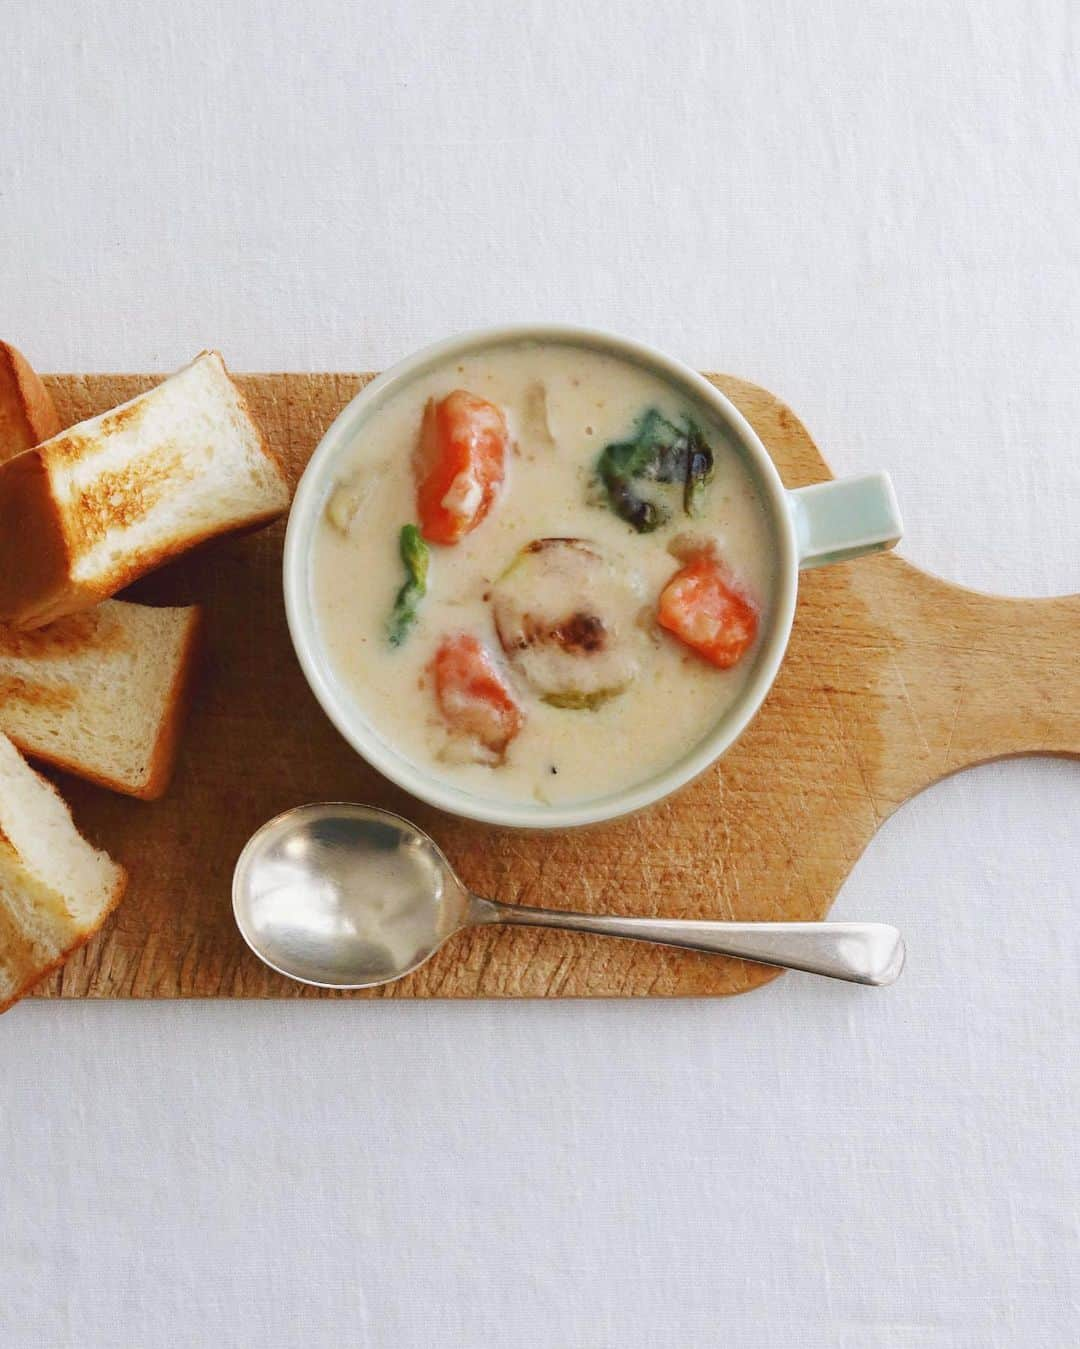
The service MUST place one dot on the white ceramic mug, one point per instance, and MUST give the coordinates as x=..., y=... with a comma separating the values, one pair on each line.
x=828, y=522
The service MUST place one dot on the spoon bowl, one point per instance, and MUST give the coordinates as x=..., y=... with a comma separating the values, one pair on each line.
x=348, y=896
x=345, y=896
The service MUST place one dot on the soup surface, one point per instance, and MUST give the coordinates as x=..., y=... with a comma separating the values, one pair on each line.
x=591, y=675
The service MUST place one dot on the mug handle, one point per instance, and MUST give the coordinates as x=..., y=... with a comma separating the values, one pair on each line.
x=845, y=518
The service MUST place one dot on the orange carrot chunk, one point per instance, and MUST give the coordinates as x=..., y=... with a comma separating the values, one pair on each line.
x=702, y=607
x=473, y=697
x=460, y=462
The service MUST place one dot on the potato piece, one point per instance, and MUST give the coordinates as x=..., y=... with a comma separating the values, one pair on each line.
x=535, y=419
x=349, y=498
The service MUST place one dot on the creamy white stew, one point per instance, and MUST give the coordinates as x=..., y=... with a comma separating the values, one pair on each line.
x=543, y=573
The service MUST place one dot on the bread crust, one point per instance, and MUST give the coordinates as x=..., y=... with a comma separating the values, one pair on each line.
x=27, y=412
x=163, y=760
x=35, y=556
x=32, y=980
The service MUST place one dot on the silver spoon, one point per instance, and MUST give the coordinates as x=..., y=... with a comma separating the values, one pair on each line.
x=347, y=896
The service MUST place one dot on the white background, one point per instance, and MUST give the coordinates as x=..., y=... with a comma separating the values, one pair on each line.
x=874, y=209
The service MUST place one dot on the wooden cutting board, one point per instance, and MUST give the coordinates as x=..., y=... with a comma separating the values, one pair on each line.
x=893, y=680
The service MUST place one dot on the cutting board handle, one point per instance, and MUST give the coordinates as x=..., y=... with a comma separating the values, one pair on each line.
x=1015, y=674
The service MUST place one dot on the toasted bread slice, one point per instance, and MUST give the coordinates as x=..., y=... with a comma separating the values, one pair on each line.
x=27, y=414
x=55, y=889
x=85, y=513
x=102, y=693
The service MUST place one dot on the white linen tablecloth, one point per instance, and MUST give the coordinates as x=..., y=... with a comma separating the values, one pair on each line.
x=872, y=208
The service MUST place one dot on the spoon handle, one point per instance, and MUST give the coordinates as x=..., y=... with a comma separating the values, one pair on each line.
x=863, y=953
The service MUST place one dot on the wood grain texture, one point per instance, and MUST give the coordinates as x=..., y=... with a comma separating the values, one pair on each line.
x=893, y=680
